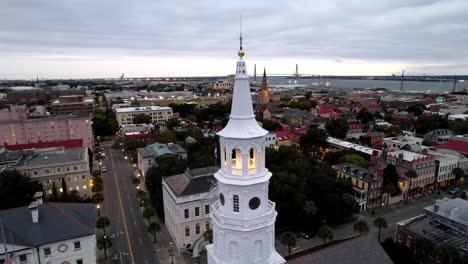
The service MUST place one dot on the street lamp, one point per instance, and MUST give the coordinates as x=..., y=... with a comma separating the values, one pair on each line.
x=98, y=211
x=171, y=252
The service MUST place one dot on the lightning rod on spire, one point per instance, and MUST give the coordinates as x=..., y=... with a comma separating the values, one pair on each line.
x=240, y=26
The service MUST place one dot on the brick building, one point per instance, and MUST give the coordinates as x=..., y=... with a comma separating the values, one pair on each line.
x=16, y=128
x=404, y=161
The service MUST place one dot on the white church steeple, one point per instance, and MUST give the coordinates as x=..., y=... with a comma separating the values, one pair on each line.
x=243, y=218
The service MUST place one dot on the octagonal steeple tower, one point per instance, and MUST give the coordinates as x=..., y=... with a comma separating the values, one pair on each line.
x=243, y=218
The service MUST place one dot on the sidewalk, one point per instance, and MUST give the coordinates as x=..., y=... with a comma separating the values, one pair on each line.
x=162, y=246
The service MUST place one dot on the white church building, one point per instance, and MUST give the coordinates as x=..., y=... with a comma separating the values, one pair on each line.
x=243, y=218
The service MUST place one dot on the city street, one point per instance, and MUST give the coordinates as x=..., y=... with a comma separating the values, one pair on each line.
x=131, y=242
x=394, y=214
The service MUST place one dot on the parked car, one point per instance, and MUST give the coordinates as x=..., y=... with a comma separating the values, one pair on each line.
x=454, y=191
x=104, y=169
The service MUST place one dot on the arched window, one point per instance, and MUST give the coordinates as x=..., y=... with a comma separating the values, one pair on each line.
x=236, y=159
x=235, y=203
x=252, y=158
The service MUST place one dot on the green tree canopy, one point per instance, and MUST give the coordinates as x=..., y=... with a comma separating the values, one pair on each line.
x=325, y=233
x=354, y=159
x=391, y=177
x=289, y=240
x=337, y=128
x=361, y=227
x=142, y=119
x=167, y=137
x=148, y=213
x=380, y=223
x=102, y=222
x=16, y=189
x=154, y=228
x=208, y=235
x=97, y=198
x=104, y=243
x=425, y=124
x=411, y=175
x=313, y=141
x=167, y=166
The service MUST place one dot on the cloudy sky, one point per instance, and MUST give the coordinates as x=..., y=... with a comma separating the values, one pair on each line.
x=104, y=38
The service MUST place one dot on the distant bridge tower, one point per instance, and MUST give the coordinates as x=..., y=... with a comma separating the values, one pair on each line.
x=454, y=84
x=402, y=79
x=296, y=73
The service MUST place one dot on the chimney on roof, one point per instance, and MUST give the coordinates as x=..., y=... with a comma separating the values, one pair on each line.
x=34, y=208
x=400, y=158
x=436, y=206
x=38, y=198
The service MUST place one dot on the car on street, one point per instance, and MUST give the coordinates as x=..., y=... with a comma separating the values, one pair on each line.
x=104, y=169
x=454, y=191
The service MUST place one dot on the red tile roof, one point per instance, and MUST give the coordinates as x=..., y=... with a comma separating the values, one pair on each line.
x=72, y=143
x=455, y=145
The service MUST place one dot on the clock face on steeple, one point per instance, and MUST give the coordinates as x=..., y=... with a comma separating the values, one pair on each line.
x=254, y=203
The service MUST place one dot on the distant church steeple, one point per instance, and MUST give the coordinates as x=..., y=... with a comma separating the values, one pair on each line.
x=264, y=96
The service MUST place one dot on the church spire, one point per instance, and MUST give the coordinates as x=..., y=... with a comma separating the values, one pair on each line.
x=241, y=52
x=242, y=114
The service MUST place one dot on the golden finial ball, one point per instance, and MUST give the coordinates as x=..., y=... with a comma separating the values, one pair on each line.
x=241, y=53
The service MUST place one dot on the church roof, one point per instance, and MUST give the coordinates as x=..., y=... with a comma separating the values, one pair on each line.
x=195, y=181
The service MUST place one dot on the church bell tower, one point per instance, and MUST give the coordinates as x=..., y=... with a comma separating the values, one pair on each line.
x=243, y=218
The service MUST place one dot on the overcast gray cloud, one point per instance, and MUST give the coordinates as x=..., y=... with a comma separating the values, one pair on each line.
x=424, y=36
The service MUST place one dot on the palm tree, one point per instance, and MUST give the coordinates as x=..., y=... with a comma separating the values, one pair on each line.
x=97, y=198
x=349, y=201
x=104, y=243
x=148, y=213
x=140, y=194
x=380, y=223
x=136, y=181
x=310, y=208
x=361, y=227
x=390, y=190
x=97, y=186
x=144, y=202
x=325, y=233
x=154, y=228
x=421, y=248
x=411, y=174
x=288, y=239
x=458, y=173
x=208, y=235
x=102, y=222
